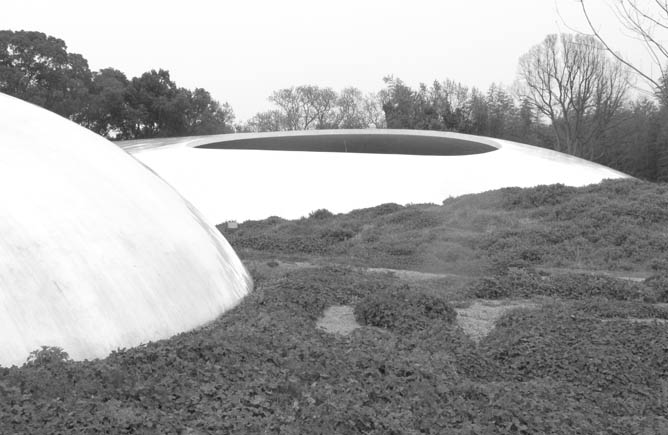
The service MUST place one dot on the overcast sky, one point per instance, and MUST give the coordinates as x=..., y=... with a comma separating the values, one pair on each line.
x=243, y=50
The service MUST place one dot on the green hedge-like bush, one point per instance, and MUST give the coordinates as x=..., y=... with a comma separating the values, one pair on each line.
x=321, y=213
x=525, y=283
x=47, y=356
x=539, y=196
x=373, y=212
x=310, y=291
x=618, y=357
x=658, y=285
x=414, y=217
x=581, y=285
x=514, y=283
x=609, y=309
x=263, y=367
x=401, y=308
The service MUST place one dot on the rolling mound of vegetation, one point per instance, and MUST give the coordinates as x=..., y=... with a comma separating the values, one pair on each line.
x=589, y=354
x=617, y=225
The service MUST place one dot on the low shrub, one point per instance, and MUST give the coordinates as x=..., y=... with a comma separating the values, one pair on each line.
x=611, y=309
x=47, y=356
x=616, y=357
x=514, y=283
x=539, y=196
x=658, y=285
x=336, y=234
x=264, y=367
x=584, y=285
x=525, y=283
x=309, y=291
x=380, y=210
x=414, y=217
x=322, y=213
x=401, y=308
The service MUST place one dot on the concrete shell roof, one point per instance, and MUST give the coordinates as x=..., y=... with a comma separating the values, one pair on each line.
x=289, y=174
x=96, y=251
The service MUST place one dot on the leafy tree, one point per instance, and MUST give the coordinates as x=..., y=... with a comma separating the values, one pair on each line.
x=155, y=102
x=478, y=114
x=37, y=68
x=157, y=107
x=501, y=111
x=204, y=115
x=399, y=104
x=108, y=111
x=450, y=100
x=630, y=145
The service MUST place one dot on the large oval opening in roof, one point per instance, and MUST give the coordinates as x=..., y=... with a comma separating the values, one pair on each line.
x=391, y=143
x=244, y=176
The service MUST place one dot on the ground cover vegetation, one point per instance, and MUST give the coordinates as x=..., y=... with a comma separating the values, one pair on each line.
x=588, y=355
x=570, y=95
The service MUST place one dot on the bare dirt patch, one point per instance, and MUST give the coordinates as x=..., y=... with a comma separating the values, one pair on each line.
x=478, y=319
x=338, y=319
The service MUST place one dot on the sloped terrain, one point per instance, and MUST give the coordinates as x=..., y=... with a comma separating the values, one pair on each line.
x=576, y=348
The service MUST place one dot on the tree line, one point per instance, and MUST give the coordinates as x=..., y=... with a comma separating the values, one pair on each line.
x=572, y=94
x=39, y=69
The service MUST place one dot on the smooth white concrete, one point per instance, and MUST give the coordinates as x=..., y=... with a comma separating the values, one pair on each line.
x=96, y=251
x=229, y=184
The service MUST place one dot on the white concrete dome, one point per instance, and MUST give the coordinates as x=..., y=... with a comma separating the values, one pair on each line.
x=290, y=174
x=96, y=251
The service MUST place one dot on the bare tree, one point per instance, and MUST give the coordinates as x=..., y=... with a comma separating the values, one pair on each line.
x=572, y=81
x=271, y=120
x=372, y=108
x=319, y=104
x=312, y=107
x=289, y=107
x=305, y=107
x=647, y=20
x=351, y=109
x=356, y=110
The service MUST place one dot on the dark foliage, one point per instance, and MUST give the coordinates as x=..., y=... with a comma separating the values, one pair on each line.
x=659, y=286
x=47, y=356
x=322, y=213
x=592, y=360
x=37, y=68
x=539, y=196
x=265, y=368
x=614, y=225
x=613, y=309
x=402, y=308
x=613, y=357
x=525, y=283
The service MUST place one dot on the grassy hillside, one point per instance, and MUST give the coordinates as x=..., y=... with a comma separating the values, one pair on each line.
x=585, y=352
x=616, y=225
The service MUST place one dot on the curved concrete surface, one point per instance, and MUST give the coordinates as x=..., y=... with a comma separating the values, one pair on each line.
x=334, y=141
x=96, y=251
x=245, y=176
